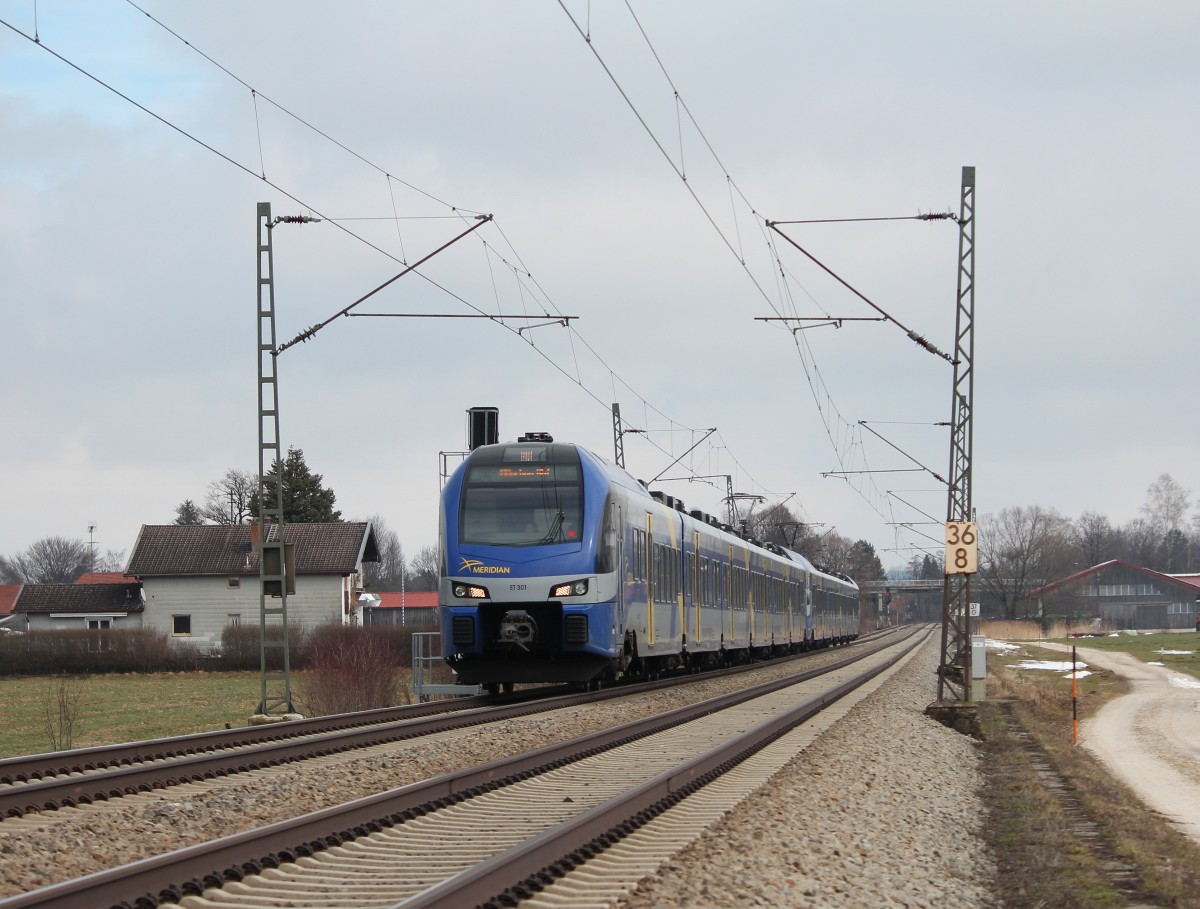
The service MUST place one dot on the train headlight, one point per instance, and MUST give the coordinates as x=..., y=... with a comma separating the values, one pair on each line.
x=570, y=589
x=471, y=592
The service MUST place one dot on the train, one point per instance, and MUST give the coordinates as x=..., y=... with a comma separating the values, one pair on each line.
x=559, y=566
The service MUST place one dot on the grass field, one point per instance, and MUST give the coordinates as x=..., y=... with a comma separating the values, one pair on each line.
x=1179, y=651
x=1175, y=650
x=125, y=708
x=1042, y=862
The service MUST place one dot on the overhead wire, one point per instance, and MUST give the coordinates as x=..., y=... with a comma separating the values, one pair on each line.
x=827, y=409
x=573, y=333
x=456, y=211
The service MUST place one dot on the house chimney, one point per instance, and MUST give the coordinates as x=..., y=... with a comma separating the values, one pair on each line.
x=254, y=532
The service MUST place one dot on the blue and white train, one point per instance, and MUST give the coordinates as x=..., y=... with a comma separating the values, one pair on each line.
x=559, y=567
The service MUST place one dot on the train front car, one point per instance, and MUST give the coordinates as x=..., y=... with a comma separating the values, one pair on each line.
x=529, y=566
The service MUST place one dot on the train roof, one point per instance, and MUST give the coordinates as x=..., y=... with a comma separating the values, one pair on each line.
x=626, y=480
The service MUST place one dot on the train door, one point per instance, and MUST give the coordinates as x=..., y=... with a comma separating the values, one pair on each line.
x=619, y=605
x=651, y=580
x=751, y=603
x=789, y=605
x=731, y=597
x=808, y=609
x=692, y=589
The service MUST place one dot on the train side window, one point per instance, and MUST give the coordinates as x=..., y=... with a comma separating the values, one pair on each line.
x=660, y=575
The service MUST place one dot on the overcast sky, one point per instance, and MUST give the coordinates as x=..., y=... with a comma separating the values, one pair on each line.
x=127, y=249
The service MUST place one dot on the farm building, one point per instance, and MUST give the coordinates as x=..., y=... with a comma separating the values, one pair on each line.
x=410, y=608
x=1116, y=596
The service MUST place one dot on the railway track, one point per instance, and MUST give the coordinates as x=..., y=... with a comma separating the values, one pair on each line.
x=144, y=767
x=534, y=816
x=40, y=783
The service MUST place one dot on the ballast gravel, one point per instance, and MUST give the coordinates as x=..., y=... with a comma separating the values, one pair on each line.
x=880, y=811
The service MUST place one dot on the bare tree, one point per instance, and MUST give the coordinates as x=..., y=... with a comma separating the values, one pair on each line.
x=1166, y=503
x=1095, y=538
x=50, y=560
x=228, y=499
x=1175, y=551
x=424, y=571
x=1194, y=542
x=780, y=525
x=112, y=560
x=389, y=572
x=1020, y=549
x=1139, y=543
x=834, y=552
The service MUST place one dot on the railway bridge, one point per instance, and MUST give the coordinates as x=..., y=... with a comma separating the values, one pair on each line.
x=900, y=601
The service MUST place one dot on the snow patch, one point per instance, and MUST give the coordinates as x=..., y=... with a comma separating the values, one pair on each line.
x=1051, y=665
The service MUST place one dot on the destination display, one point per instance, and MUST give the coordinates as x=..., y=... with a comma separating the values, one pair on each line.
x=523, y=473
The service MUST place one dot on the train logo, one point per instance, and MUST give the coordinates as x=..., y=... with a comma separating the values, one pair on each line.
x=474, y=566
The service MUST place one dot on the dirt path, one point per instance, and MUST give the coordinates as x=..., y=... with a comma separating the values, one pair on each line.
x=1149, y=738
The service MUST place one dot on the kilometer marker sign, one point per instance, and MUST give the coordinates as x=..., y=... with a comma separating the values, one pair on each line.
x=962, y=547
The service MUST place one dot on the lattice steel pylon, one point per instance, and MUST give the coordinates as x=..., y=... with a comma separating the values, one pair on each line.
x=618, y=437
x=954, y=670
x=272, y=562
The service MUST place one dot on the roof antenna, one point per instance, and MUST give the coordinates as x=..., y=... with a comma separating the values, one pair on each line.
x=91, y=546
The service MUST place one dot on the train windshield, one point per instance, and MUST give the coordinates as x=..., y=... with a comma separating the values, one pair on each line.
x=522, y=495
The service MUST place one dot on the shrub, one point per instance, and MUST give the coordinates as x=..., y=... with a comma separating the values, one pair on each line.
x=351, y=668
x=240, y=646
x=62, y=702
x=82, y=652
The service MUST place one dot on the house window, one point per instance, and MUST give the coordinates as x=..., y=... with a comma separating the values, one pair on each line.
x=100, y=642
x=181, y=624
x=234, y=618
x=235, y=583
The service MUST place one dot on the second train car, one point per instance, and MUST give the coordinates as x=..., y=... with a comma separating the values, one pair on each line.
x=558, y=566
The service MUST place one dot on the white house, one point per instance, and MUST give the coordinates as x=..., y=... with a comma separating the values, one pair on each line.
x=198, y=578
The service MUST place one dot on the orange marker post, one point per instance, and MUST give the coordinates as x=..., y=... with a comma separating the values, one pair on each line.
x=1074, y=700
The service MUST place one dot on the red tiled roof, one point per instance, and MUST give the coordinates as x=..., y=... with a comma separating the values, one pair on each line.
x=177, y=550
x=80, y=598
x=413, y=599
x=1095, y=569
x=102, y=577
x=8, y=597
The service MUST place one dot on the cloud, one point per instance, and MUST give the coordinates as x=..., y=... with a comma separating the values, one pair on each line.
x=129, y=251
